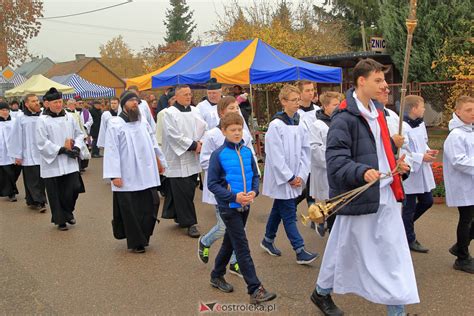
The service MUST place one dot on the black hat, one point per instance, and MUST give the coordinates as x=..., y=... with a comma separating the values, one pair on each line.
x=52, y=94
x=171, y=93
x=212, y=84
x=127, y=95
x=4, y=105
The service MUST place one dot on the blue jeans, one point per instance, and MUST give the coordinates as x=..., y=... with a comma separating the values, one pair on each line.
x=216, y=233
x=392, y=310
x=412, y=211
x=284, y=210
x=236, y=240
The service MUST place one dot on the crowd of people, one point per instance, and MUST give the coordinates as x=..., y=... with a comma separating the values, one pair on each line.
x=313, y=151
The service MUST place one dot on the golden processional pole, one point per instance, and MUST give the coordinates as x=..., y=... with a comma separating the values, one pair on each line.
x=411, y=24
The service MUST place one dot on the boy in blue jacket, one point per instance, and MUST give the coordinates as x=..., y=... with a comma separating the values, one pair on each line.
x=233, y=179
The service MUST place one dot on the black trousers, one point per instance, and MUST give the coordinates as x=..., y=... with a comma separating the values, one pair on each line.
x=135, y=215
x=305, y=194
x=414, y=206
x=465, y=231
x=63, y=192
x=235, y=240
x=179, y=201
x=34, y=186
x=8, y=176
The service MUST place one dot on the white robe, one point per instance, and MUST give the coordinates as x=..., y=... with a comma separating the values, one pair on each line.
x=159, y=126
x=308, y=118
x=421, y=177
x=16, y=114
x=368, y=255
x=458, y=164
x=211, y=116
x=6, y=129
x=146, y=113
x=287, y=154
x=131, y=154
x=318, y=186
x=104, y=120
x=51, y=134
x=22, y=144
x=212, y=140
x=393, y=121
x=87, y=124
x=180, y=129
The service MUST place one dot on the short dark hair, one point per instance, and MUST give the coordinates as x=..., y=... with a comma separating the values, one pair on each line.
x=115, y=98
x=96, y=102
x=133, y=88
x=29, y=95
x=364, y=67
x=14, y=102
x=179, y=87
x=231, y=118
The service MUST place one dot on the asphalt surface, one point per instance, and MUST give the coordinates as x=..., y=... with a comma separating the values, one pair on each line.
x=86, y=271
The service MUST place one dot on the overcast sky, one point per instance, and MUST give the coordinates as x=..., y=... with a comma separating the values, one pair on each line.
x=140, y=23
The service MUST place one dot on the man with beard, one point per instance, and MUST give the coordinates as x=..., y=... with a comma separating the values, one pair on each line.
x=59, y=139
x=22, y=147
x=8, y=171
x=133, y=162
x=96, y=113
x=106, y=116
x=183, y=128
x=144, y=109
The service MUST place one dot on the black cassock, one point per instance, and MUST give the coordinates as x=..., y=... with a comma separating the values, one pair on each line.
x=63, y=192
x=34, y=186
x=135, y=215
x=8, y=176
x=179, y=200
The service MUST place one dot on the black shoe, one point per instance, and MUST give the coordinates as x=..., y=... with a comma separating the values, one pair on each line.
x=455, y=251
x=261, y=295
x=41, y=208
x=140, y=249
x=466, y=265
x=417, y=247
x=193, y=232
x=221, y=284
x=326, y=304
x=63, y=227
x=12, y=198
x=72, y=221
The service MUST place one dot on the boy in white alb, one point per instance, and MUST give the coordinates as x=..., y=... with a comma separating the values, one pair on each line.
x=287, y=165
x=458, y=169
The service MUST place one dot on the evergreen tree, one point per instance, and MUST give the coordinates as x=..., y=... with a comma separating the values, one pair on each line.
x=179, y=22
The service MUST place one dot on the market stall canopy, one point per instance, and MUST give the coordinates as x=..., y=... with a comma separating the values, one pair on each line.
x=84, y=88
x=241, y=62
x=37, y=84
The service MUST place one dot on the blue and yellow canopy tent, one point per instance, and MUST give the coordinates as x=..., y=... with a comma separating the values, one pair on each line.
x=242, y=62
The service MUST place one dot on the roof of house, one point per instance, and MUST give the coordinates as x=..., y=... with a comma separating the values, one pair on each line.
x=74, y=67
x=27, y=69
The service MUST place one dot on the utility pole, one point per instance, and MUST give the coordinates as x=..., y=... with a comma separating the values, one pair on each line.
x=364, y=42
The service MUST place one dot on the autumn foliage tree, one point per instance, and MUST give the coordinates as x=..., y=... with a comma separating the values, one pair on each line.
x=120, y=58
x=18, y=23
x=157, y=56
x=295, y=29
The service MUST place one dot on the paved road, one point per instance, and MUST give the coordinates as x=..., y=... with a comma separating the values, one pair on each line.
x=86, y=271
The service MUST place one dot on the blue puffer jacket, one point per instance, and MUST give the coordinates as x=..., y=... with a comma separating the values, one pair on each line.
x=232, y=170
x=350, y=152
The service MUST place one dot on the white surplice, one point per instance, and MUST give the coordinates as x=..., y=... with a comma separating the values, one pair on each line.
x=104, y=120
x=16, y=114
x=318, y=186
x=421, y=177
x=368, y=255
x=131, y=153
x=458, y=163
x=180, y=129
x=308, y=117
x=6, y=128
x=51, y=133
x=86, y=123
x=212, y=140
x=287, y=154
x=22, y=144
